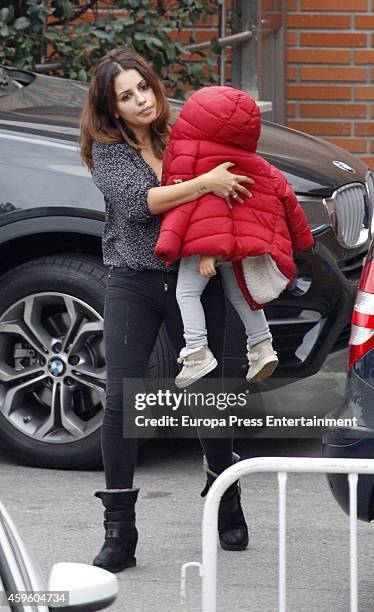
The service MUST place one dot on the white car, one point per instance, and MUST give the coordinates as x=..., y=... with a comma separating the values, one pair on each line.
x=70, y=586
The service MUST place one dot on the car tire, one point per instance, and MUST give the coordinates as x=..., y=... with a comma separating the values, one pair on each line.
x=63, y=280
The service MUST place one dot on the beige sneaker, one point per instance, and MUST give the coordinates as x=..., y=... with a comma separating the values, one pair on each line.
x=196, y=363
x=262, y=361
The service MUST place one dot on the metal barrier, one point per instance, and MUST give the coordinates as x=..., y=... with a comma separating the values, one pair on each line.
x=283, y=466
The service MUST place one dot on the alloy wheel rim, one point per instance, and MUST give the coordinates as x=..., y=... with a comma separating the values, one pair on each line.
x=52, y=367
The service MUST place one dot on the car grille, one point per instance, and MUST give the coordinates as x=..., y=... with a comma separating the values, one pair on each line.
x=352, y=216
x=370, y=188
x=350, y=212
x=352, y=267
x=342, y=340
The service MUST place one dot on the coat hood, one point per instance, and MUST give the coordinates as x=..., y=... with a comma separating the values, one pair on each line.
x=224, y=115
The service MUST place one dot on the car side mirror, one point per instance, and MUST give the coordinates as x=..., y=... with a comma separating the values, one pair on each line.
x=86, y=587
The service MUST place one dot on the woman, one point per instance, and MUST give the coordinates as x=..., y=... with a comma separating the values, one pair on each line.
x=124, y=132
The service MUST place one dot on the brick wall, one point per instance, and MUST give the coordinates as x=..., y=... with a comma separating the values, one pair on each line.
x=330, y=78
x=202, y=32
x=330, y=67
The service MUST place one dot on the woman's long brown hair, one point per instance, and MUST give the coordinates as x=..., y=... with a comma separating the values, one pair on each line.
x=98, y=121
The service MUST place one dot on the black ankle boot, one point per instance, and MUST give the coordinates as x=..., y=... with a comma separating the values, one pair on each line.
x=232, y=528
x=121, y=535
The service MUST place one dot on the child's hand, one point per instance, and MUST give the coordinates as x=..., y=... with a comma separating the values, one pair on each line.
x=207, y=266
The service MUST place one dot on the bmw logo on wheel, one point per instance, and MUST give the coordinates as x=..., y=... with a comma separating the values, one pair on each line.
x=56, y=367
x=343, y=166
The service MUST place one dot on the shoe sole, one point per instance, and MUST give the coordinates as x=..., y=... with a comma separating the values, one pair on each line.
x=186, y=382
x=266, y=371
x=241, y=546
x=119, y=568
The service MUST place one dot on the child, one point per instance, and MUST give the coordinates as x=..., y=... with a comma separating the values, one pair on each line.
x=251, y=241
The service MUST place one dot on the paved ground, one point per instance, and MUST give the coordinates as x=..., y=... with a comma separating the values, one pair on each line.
x=62, y=522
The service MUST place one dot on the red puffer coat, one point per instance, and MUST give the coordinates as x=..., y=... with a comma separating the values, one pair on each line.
x=219, y=124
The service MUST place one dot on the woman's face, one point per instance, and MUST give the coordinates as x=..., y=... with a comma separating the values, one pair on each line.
x=133, y=96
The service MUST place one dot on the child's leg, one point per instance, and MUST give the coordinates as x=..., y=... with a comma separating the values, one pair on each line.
x=190, y=286
x=254, y=321
x=263, y=359
x=196, y=357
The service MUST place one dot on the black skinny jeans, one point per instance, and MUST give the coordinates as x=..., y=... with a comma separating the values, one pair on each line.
x=136, y=304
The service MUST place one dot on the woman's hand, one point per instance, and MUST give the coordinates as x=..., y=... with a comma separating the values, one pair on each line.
x=225, y=184
x=219, y=181
x=207, y=266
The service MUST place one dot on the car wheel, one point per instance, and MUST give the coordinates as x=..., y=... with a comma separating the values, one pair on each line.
x=52, y=362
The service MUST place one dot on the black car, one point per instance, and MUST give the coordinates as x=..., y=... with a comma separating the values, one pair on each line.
x=52, y=280
x=356, y=439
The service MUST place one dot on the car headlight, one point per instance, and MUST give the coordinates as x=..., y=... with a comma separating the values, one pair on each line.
x=316, y=212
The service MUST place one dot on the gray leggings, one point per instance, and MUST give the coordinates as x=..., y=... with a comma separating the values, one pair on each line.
x=189, y=289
